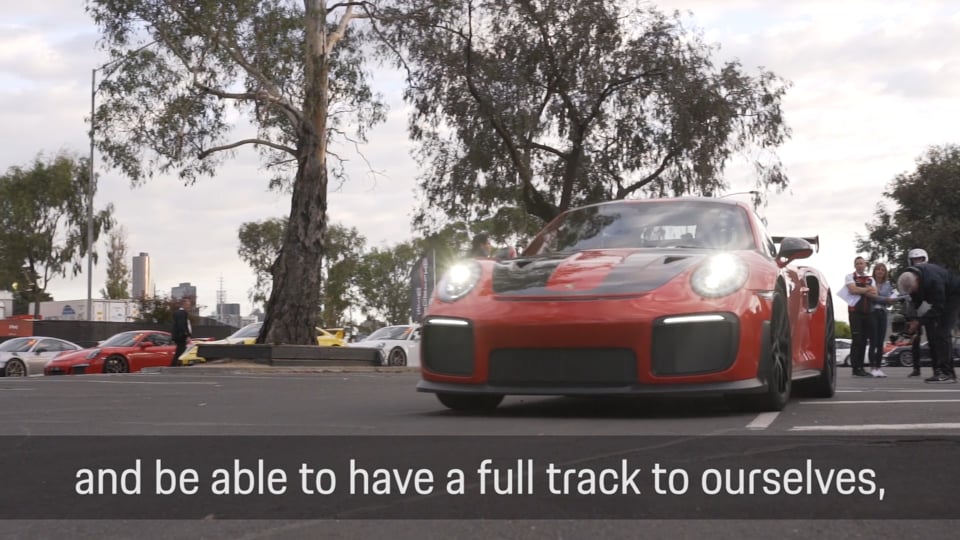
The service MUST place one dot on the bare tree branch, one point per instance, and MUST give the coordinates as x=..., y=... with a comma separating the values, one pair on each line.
x=230, y=146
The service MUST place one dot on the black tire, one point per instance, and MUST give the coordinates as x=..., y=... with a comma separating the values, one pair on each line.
x=397, y=357
x=825, y=385
x=14, y=368
x=116, y=364
x=470, y=402
x=778, y=368
x=906, y=359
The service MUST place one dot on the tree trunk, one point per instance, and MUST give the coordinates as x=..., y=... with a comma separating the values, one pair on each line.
x=291, y=311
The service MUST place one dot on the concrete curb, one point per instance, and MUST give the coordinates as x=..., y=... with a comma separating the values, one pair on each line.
x=243, y=368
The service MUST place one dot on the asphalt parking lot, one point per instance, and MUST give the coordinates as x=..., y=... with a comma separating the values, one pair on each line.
x=185, y=402
x=179, y=402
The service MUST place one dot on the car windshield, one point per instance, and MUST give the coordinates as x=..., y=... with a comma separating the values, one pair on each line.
x=125, y=339
x=390, y=332
x=668, y=224
x=250, y=330
x=17, y=345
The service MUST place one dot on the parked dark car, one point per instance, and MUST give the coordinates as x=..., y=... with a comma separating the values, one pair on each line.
x=903, y=355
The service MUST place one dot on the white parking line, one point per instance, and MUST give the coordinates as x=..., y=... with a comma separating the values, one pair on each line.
x=80, y=380
x=763, y=420
x=879, y=427
x=857, y=402
x=901, y=391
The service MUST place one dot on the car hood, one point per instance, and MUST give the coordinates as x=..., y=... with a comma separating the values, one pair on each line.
x=614, y=272
x=75, y=357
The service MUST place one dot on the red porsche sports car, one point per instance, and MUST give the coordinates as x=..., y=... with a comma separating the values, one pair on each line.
x=657, y=296
x=126, y=352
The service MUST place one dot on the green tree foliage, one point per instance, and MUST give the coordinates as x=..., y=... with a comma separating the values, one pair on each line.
x=345, y=247
x=159, y=309
x=384, y=282
x=260, y=243
x=924, y=213
x=118, y=274
x=43, y=224
x=293, y=70
x=551, y=104
x=842, y=329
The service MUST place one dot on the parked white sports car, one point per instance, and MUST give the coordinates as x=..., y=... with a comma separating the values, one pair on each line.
x=24, y=356
x=399, y=345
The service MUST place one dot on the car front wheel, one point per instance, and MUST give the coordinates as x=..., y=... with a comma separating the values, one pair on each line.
x=397, y=357
x=115, y=364
x=777, y=367
x=14, y=368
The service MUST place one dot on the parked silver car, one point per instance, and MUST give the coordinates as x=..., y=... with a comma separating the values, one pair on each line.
x=24, y=356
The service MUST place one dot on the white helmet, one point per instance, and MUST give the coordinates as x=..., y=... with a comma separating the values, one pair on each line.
x=917, y=253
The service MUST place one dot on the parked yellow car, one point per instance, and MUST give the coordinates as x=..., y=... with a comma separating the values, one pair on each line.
x=248, y=335
x=332, y=337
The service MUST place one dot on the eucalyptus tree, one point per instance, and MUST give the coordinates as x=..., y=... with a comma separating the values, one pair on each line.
x=186, y=70
x=549, y=104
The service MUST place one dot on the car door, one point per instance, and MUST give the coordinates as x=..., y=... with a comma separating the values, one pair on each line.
x=152, y=350
x=44, y=351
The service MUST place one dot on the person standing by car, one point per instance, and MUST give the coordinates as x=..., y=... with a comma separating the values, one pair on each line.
x=858, y=287
x=879, y=302
x=181, y=330
x=931, y=283
x=481, y=247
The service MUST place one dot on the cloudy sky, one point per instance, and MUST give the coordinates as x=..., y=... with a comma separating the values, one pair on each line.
x=873, y=86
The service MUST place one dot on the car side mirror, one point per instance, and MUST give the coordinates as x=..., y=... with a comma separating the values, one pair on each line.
x=40, y=350
x=791, y=249
x=145, y=344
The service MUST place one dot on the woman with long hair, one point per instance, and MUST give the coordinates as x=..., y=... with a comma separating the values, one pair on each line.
x=878, y=318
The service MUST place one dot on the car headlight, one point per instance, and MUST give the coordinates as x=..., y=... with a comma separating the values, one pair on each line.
x=458, y=281
x=93, y=354
x=720, y=275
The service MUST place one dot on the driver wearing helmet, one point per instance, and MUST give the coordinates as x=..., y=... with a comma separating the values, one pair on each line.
x=917, y=256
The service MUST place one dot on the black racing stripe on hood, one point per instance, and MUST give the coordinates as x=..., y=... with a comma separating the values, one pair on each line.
x=521, y=275
x=637, y=273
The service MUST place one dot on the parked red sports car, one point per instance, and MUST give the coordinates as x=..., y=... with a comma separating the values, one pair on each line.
x=126, y=352
x=657, y=296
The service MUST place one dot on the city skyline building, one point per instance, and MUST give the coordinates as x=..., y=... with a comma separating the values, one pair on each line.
x=142, y=282
x=185, y=289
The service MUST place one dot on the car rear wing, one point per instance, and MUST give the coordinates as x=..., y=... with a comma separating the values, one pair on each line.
x=814, y=241
x=337, y=332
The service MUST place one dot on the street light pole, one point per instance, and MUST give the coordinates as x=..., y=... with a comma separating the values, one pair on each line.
x=90, y=187
x=91, y=182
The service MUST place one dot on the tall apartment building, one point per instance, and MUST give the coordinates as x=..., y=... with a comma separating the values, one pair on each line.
x=142, y=282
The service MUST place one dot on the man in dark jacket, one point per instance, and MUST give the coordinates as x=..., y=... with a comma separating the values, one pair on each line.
x=181, y=331
x=940, y=288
